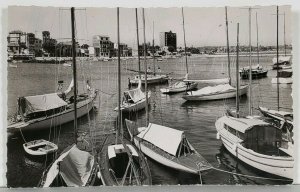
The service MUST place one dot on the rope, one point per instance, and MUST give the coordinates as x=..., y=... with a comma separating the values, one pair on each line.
x=249, y=176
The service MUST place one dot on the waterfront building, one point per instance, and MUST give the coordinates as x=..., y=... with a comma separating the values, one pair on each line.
x=168, y=39
x=16, y=42
x=103, y=46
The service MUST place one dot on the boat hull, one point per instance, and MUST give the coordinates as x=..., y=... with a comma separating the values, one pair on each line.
x=170, y=90
x=51, y=147
x=83, y=108
x=217, y=96
x=245, y=75
x=135, y=106
x=280, y=166
x=282, y=80
x=151, y=80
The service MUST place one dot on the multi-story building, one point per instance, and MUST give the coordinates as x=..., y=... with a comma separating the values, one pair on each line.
x=16, y=42
x=168, y=39
x=103, y=46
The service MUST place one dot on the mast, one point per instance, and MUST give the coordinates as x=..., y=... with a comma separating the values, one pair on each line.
x=250, y=65
x=284, y=34
x=74, y=72
x=138, y=42
x=119, y=124
x=186, y=64
x=257, y=39
x=145, y=68
x=277, y=56
x=237, y=74
x=227, y=36
x=153, y=51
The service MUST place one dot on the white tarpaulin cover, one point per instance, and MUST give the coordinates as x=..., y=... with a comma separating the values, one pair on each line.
x=45, y=102
x=165, y=138
x=212, y=90
x=73, y=165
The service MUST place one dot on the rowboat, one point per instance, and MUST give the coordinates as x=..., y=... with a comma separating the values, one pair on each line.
x=256, y=143
x=73, y=168
x=43, y=111
x=39, y=147
x=215, y=93
x=175, y=152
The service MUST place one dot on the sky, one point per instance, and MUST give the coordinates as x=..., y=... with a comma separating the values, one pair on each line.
x=204, y=26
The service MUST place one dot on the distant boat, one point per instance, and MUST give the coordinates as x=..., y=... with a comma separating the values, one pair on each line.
x=151, y=79
x=39, y=147
x=167, y=146
x=284, y=77
x=282, y=60
x=257, y=72
x=67, y=64
x=13, y=66
x=256, y=143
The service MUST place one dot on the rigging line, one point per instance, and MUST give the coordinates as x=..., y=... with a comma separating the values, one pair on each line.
x=249, y=176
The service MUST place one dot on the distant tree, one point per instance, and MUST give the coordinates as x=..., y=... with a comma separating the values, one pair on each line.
x=85, y=46
x=50, y=46
x=171, y=49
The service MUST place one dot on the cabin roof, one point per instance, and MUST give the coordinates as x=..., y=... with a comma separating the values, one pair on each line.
x=242, y=124
x=165, y=138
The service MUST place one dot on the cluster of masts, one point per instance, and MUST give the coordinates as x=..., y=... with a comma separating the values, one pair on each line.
x=122, y=162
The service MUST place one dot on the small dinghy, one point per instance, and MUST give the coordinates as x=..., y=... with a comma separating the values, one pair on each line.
x=39, y=147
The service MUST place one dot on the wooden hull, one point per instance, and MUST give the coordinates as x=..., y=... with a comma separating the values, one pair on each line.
x=42, y=147
x=282, y=80
x=128, y=108
x=151, y=80
x=170, y=90
x=217, y=96
x=83, y=107
x=257, y=75
x=281, y=166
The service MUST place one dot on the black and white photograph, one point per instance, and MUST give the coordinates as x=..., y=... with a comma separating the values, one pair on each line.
x=141, y=96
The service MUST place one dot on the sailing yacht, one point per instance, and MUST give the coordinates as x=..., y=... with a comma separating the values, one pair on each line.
x=254, y=141
x=181, y=86
x=121, y=163
x=73, y=167
x=175, y=152
x=222, y=91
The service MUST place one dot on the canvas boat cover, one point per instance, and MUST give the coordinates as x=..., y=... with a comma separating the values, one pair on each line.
x=136, y=94
x=73, y=165
x=281, y=59
x=212, y=90
x=38, y=103
x=165, y=138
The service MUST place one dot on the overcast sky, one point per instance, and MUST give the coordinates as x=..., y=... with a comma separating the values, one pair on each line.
x=204, y=26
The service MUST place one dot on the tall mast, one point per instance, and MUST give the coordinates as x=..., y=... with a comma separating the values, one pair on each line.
x=227, y=36
x=186, y=64
x=250, y=65
x=284, y=34
x=119, y=124
x=74, y=72
x=257, y=39
x=237, y=74
x=138, y=41
x=277, y=56
x=145, y=68
x=153, y=51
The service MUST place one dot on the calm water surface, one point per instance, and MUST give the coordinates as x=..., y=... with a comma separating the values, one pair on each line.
x=197, y=119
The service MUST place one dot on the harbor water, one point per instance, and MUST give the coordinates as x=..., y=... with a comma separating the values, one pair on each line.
x=197, y=119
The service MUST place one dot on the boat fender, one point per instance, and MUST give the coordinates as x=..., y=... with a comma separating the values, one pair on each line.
x=218, y=135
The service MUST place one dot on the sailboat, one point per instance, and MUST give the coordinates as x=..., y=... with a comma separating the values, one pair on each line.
x=222, y=91
x=153, y=77
x=181, y=86
x=254, y=141
x=121, y=163
x=174, y=151
x=73, y=167
x=134, y=99
x=257, y=71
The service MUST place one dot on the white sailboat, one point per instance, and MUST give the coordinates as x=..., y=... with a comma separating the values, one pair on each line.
x=254, y=141
x=134, y=99
x=73, y=167
x=121, y=163
x=223, y=91
x=175, y=152
x=283, y=77
x=184, y=85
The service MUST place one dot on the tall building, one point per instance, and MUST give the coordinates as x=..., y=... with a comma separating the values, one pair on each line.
x=168, y=39
x=103, y=46
x=16, y=42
